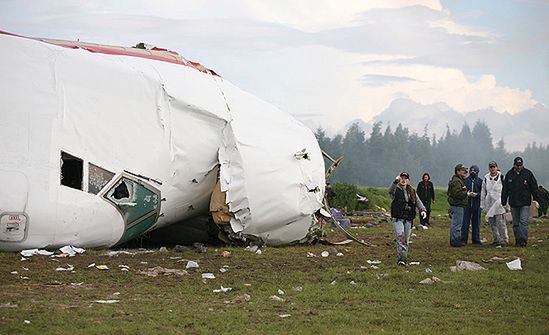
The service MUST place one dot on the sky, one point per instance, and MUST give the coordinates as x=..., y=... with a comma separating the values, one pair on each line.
x=328, y=62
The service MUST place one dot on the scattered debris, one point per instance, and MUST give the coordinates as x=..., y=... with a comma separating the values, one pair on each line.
x=179, y=248
x=14, y=272
x=251, y=248
x=26, y=322
x=208, y=275
x=163, y=249
x=68, y=268
x=241, y=299
x=280, y=292
x=91, y=265
x=124, y=267
x=310, y=255
x=285, y=315
x=35, y=252
x=495, y=259
x=352, y=282
x=381, y=276
x=223, y=270
x=102, y=267
x=158, y=270
x=276, y=298
x=71, y=251
x=223, y=289
x=200, y=248
x=226, y=254
x=106, y=301
x=339, y=254
x=430, y=281
x=258, y=252
x=414, y=263
x=515, y=264
x=466, y=266
x=428, y=270
x=325, y=253
x=8, y=305
x=119, y=252
x=192, y=265
x=297, y=289
x=23, y=259
x=375, y=267
x=373, y=262
x=333, y=282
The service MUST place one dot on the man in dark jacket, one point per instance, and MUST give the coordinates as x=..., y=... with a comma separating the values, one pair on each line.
x=426, y=193
x=457, y=199
x=518, y=187
x=472, y=211
x=542, y=197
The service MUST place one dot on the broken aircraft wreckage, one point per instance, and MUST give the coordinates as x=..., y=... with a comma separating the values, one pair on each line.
x=101, y=144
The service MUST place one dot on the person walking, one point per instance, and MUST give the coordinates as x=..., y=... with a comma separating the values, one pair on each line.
x=542, y=197
x=426, y=193
x=490, y=201
x=457, y=199
x=403, y=212
x=471, y=217
x=519, y=185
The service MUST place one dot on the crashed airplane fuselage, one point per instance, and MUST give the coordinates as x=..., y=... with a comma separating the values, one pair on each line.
x=100, y=144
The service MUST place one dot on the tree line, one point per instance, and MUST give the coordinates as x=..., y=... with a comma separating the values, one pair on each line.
x=376, y=160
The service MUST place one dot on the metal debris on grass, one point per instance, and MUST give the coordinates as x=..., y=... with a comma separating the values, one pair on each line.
x=112, y=301
x=8, y=305
x=285, y=315
x=240, y=299
x=514, y=264
x=192, y=265
x=375, y=262
x=310, y=255
x=466, y=266
x=226, y=254
x=222, y=289
x=495, y=259
x=430, y=281
x=102, y=267
x=68, y=268
x=71, y=250
x=276, y=298
x=280, y=292
x=158, y=270
x=325, y=253
x=297, y=289
x=35, y=252
x=208, y=275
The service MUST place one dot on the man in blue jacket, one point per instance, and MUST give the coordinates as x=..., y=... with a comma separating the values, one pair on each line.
x=519, y=186
x=472, y=211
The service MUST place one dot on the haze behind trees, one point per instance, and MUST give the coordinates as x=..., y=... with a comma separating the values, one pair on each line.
x=376, y=159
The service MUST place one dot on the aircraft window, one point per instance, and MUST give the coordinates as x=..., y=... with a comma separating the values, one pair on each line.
x=98, y=178
x=121, y=191
x=71, y=171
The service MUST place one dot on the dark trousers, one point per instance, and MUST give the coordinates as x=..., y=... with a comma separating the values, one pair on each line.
x=471, y=215
x=542, y=210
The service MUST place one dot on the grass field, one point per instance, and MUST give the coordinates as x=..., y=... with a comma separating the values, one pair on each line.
x=338, y=295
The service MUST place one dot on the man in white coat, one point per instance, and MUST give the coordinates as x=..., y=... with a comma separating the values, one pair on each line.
x=490, y=201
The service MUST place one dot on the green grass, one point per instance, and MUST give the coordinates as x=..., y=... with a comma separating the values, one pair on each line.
x=387, y=300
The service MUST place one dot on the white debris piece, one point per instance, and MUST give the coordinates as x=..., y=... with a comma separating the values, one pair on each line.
x=285, y=315
x=251, y=248
x=352, y=282
x=258, y=252
x=26, y=322
x=466, y=266
x=68, y=268
x=14, y=272
x=514, y=265
x=310, y=255
x=333, y=282
x=339, y=254
x=280, y=292
x=414, y=263
x=102, y=267
x=373, y=262
x=223, y=289
x=430, y=281
x=325, y=253
x=375, y=267
x=297, y=289
x=91, y=265
x=276, y=298
x=192, y=265
x=112, y=301
x=116, y=253
x=34, y=252
x=208, y=275
x=69, y=249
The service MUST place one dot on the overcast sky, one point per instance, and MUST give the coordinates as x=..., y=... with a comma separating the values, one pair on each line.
x=329, y=61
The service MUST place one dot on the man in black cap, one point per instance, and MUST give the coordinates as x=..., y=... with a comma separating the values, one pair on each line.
x=457, y=199
x=519, y=185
